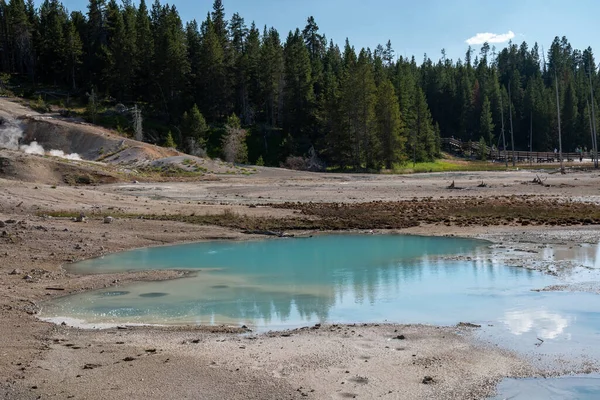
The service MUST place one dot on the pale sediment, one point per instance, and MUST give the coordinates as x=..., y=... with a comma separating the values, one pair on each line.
x=42, y=359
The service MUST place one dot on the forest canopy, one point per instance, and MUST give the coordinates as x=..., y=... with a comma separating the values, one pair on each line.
x=296, y=95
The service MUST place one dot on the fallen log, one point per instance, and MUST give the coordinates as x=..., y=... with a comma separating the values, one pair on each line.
x=267, y=233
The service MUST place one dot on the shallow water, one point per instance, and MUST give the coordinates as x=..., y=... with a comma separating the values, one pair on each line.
x=287, y=283
x=282, y=283
x=585, y=387
x=273, y=284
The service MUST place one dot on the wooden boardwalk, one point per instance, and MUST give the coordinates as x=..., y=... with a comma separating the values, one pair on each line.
x=473, y=148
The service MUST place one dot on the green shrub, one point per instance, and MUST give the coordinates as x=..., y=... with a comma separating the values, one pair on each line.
x=169, y=141
x=39, y=105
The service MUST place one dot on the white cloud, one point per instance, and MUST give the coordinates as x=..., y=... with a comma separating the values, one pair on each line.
x=481, y=38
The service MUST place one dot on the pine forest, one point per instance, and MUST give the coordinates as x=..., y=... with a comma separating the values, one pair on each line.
x=227, y=88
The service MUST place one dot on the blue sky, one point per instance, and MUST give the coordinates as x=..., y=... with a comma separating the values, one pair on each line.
x=415, y=27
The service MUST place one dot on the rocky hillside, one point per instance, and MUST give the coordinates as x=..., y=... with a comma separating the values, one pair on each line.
x=105, y=156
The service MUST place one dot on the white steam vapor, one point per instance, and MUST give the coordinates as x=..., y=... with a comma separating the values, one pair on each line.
x=32, y=148
x=11, y=133
x=61, y=154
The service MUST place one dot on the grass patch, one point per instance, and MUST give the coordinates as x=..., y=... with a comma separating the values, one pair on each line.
x=462, y=166
x=453, y=165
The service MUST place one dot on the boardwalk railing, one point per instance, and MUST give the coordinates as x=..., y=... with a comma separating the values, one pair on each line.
x=473, y=148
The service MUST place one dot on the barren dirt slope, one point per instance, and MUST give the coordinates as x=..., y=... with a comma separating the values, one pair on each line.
x=117, y=157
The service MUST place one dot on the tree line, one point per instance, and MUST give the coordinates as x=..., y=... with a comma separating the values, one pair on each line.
x=301, y=97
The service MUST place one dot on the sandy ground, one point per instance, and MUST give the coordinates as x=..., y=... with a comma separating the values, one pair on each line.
x=42, y=360
x=275, y=185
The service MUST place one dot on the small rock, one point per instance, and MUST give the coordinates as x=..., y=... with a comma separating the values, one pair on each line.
x=2, y=224
x=16, y=271
x=28, y=277
x=78, y=247
x=129, y=359
x=108, y=220
x=428, y=380
x=400, y=337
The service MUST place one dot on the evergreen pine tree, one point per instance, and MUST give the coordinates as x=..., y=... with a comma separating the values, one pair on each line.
x=486, y=124
x=52, y=46
x=358, y=112
x=298, y=93
x=73, y=54
x=171, y=64
x=96, y=38
x=390, y=129
x=214, y=73
x=169, y=142
x=272, y=66
x=144, y=56
x=19, y=38
x=117, y=75
x=252, y=75
x=193, y=126
x=239, y=33
x=421, y=133
x=569, y=119
x=194, y=54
